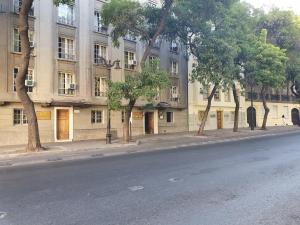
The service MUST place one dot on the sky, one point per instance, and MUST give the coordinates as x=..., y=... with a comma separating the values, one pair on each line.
x=282, y=4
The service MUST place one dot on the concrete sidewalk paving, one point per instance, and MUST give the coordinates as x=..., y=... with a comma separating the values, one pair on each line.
x=15, y=155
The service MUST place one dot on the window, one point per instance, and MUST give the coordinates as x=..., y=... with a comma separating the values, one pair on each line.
x=130, y=60
x=98, y=25
x=17, y=40
x=100, y=86
x=174, y=67
x=204, y=92
x=19, y=117
x=17, y=7
x=123, y=116
x=170, y=117
x=227, y=96
x=96, y=116
x=217, y=96
x=29, y=77
x=66, y=48
x=174, y=93
x=99, y=51
x=66, y=84
x=65, y=14
x=174, y=47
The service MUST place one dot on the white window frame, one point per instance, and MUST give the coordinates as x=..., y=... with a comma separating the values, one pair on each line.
x=64, y=81
x=97, y=117
x=129, y=56
x=174, y=67
x=98, y=24
x=217, y=93
x=100, y=86
x=100, y=51
x=22, y=118
x=174, y=94
x=66, y=48
x=29, y=76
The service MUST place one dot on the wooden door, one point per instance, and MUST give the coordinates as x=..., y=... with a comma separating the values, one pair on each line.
x=220, y=119
x=151, y=123
x=63, y=124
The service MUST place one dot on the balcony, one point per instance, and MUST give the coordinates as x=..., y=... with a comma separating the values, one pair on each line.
x=66, y=20
x=101, y=29
x=17, y=9
x=66, y=56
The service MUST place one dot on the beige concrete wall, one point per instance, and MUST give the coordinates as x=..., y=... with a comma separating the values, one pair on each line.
x=11, y=134
x=274, y=118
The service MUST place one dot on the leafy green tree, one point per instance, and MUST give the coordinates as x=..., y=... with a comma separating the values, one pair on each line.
x=147, y=23
x=142, y=85
x=204, y=26
x=284, y=31
x=267, y=63
x=34, y=143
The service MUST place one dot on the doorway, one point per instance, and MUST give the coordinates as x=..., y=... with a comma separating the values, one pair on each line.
x=63, y=124
x=149, y=122
x=295, y=117
x=220, y=119
x=251, y=116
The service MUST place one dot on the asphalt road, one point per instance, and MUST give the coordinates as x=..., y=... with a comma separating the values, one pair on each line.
x=242, y=183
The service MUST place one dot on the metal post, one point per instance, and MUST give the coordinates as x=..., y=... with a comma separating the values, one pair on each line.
x=108, y=130
x=252, y=109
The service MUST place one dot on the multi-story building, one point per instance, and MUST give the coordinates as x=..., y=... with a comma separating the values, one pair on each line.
x=67, y=80
x=221, y=115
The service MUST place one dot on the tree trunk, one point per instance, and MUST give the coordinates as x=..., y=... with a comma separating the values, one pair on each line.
x=162, y=23
x=34, y=143
x=204, y=119
x=126, y=128
x=267, y=110
x=237, y=109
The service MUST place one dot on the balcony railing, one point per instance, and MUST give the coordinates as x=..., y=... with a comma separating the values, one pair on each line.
x=274, y=98
x=66, y=56
x=65, y=20
x=100, y=29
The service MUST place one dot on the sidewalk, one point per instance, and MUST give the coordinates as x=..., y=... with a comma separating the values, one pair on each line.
x=15, y=155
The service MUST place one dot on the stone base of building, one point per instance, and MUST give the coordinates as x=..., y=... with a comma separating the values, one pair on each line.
x=65, y=123
x=218, y=118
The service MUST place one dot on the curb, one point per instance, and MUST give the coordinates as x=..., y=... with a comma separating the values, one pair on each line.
x=88, y=154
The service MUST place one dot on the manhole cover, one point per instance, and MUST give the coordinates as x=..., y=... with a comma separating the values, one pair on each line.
x=136, y=188
x=2, y=215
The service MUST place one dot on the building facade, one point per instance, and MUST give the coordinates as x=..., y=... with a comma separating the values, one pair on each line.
x=284, y=107
x=67, y=80
x=281, y=104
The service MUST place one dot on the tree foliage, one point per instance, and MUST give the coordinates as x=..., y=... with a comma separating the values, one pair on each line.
x=144, y=84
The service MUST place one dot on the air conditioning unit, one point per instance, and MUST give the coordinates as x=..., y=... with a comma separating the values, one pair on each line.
x=31, y=44
x=72, y=86
x=132, y=62
x=29, y=83
x=174, y=95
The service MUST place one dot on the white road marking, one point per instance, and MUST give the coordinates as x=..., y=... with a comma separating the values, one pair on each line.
x=136, y=188
x=2, y=215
